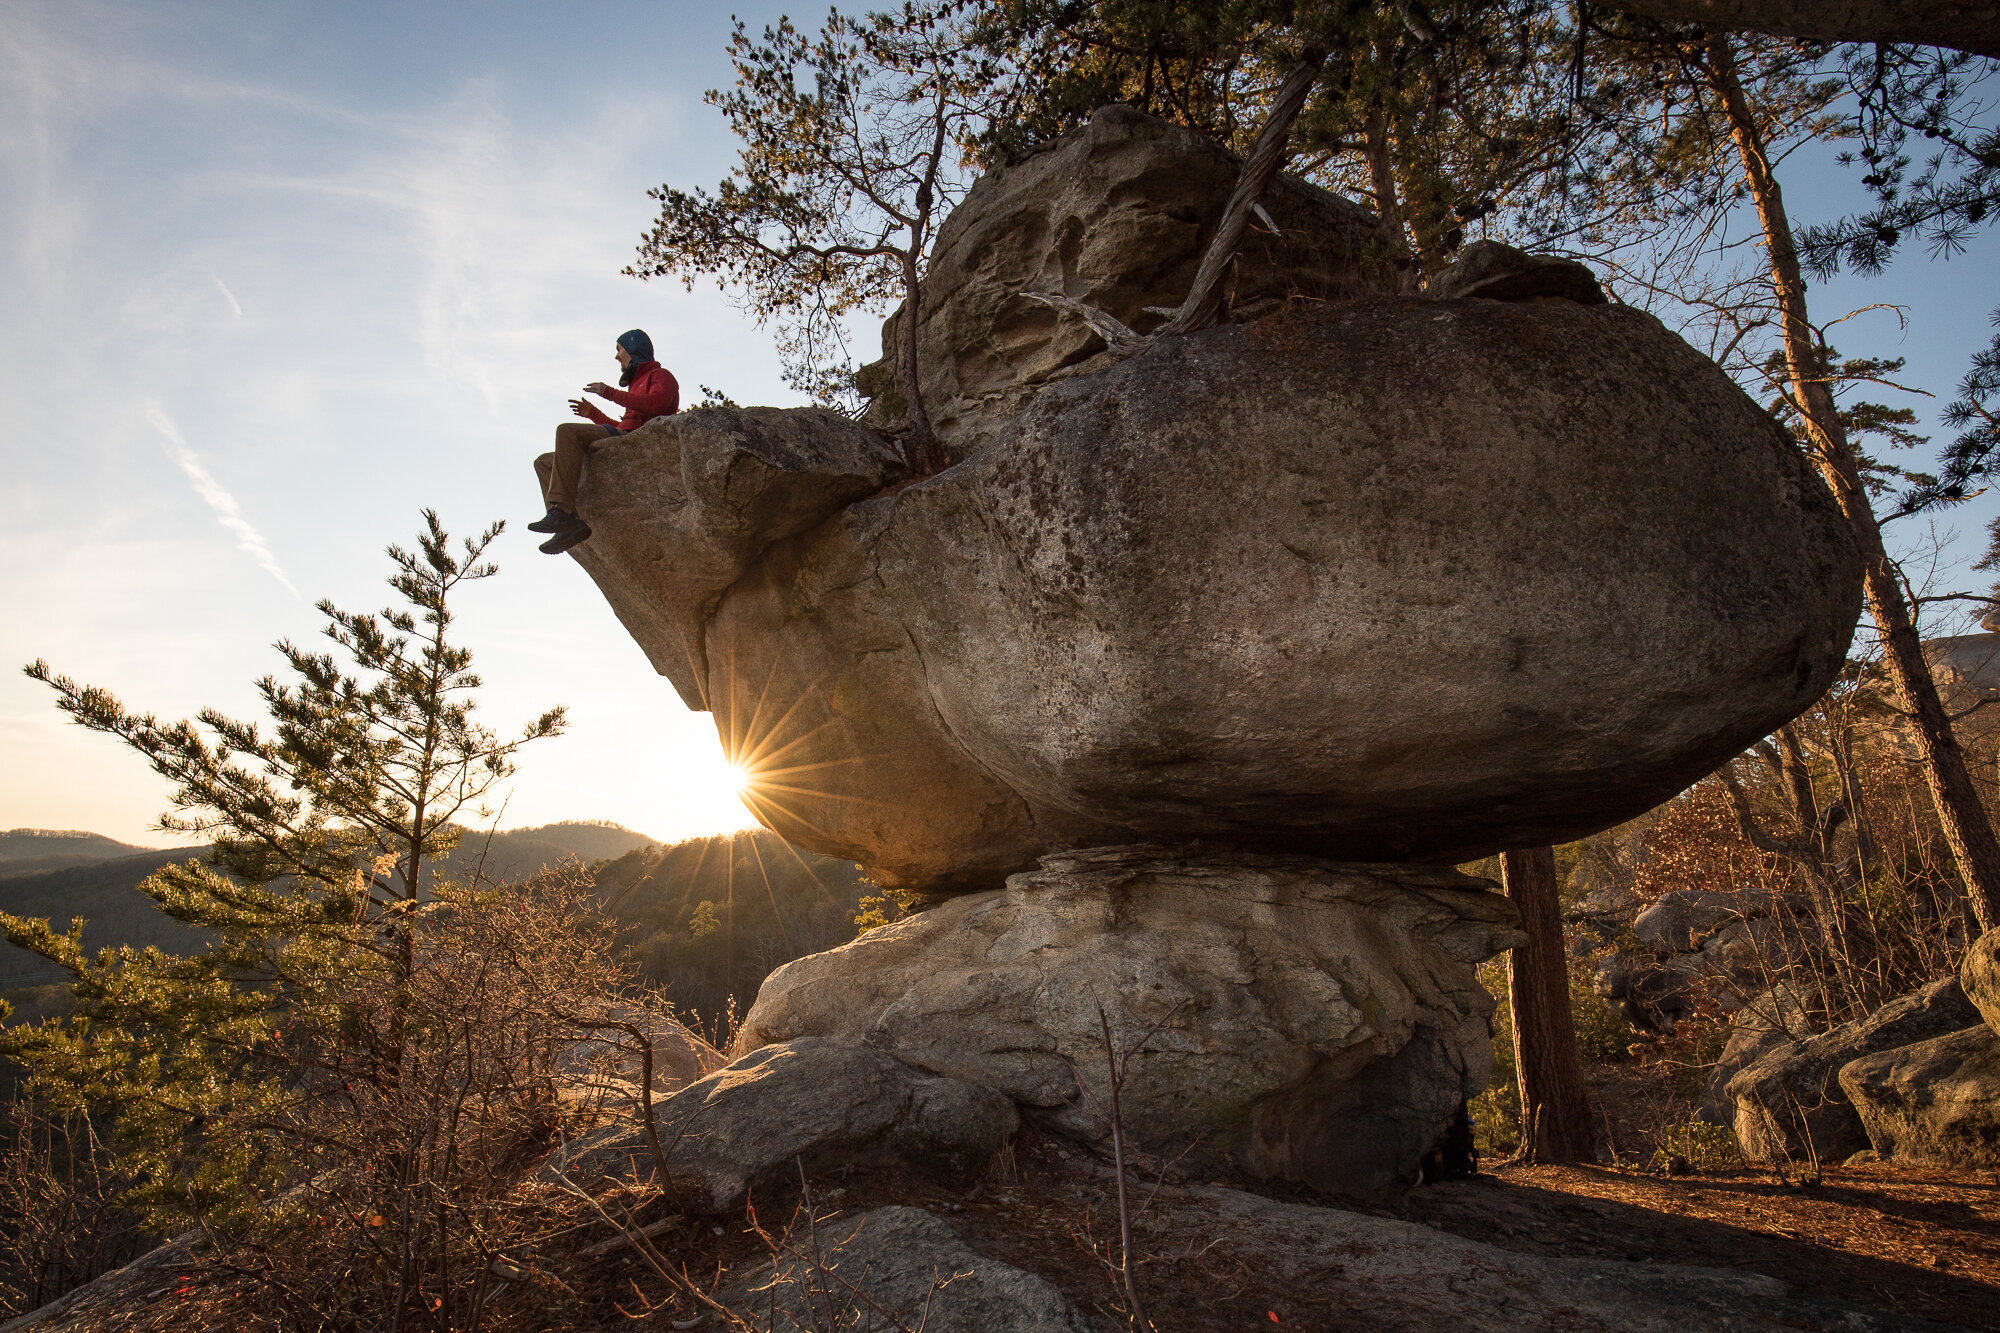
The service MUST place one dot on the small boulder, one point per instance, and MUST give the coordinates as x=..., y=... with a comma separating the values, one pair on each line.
x=813, y=1101
x=1933, y=1103
x=1682, y=920
x=1979, y=975
x=1491, y=271
x=1745, y=958
x=1790, y=1104
x=899, y=1264
x=1767, y=1022
x=1643, y=990
x=1116, y=214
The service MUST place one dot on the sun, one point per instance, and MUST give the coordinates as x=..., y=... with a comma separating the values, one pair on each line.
x=739, y=778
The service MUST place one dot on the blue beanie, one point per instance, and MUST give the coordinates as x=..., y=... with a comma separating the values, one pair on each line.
x=637, y=343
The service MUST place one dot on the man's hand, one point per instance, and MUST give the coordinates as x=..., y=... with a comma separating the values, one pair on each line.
x=588, y=411
x=598, y=387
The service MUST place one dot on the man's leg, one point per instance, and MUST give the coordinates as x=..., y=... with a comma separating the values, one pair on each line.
x=560, y=472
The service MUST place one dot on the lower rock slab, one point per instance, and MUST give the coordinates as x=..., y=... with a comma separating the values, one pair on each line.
x=1286, y=1018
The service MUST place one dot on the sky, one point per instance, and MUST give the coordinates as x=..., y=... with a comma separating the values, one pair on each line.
x=278, y=276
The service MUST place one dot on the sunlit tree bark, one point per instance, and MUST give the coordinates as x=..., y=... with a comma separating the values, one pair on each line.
x=1967, y=830
x=1555, y=1111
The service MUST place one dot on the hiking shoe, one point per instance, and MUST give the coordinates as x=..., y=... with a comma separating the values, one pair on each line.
x=553, y=521
x=576, y=533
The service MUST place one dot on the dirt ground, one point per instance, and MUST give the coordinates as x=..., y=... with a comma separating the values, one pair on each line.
x=1921, y=1242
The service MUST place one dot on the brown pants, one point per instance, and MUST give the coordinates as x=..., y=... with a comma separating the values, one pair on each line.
x=562, y=470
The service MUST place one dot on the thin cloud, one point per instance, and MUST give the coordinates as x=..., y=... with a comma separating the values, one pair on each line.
x=227, y=512
x=228, y=296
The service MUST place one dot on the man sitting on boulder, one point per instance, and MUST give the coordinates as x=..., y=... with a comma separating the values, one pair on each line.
x=645, y=391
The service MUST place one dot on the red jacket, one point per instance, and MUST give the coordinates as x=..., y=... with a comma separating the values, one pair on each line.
x=652, y=393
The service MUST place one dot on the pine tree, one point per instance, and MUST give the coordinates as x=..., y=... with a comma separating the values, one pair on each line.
x=838, y=189
x=321, y=882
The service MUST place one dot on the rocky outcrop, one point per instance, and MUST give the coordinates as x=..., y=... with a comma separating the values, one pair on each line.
x=1932, y=1103
x=1348, y=578
x=813, y=1102
x=1299, y=1021
x=1117, y=215
x=1378, y=582
x=862, y=1270
x=1790, y=1104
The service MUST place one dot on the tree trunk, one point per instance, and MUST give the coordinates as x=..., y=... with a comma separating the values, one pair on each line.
x=1555, y=1113
x=1967, y=830
x=920, y=443
x=1203, y=305
x=1968, y=25
x=1382, y=175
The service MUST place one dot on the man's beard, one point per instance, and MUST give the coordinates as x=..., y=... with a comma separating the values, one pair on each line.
x=625, y=375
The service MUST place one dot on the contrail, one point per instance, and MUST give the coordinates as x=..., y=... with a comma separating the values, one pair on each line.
x=221, y=501
x=228, y=296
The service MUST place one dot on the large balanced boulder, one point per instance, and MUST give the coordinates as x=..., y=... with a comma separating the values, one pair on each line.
x=1376, y=582
x=1936, y=1102
x=1292, y=1019
x=1355, y=575
x=1791, y=1104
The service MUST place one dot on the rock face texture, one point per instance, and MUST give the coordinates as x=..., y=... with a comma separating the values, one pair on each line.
x=902, y=1263
x=685, y=505
x=1496, y=272
x=1979, y=977
x=1308, y=1022
x=823, y=1103
x=1935, y=1103
x=1791, y=1103
x=1773, y=1019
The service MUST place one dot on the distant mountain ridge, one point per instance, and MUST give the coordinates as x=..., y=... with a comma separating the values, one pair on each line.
x=30, y=851
x=97, y=878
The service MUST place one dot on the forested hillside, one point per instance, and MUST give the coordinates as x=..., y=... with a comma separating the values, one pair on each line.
x=106, y=895
x=30, y=851
x=709, y=918
x=100, y=882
